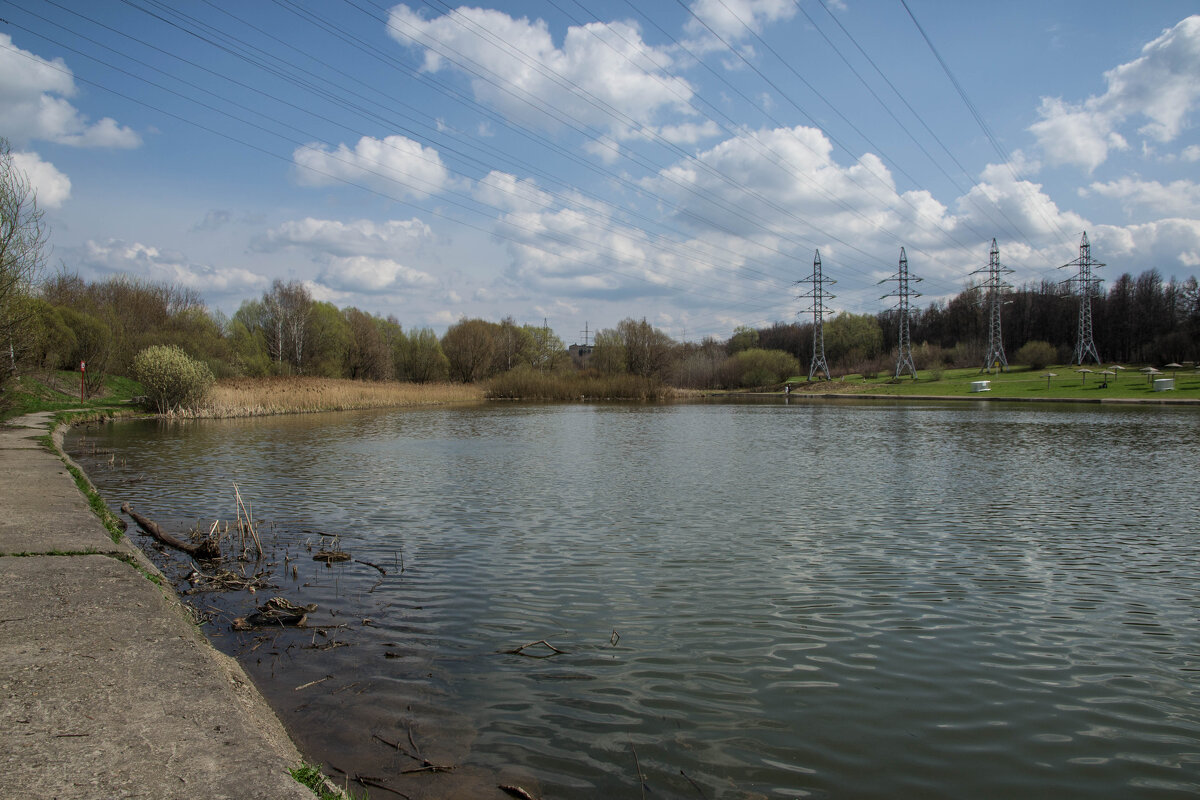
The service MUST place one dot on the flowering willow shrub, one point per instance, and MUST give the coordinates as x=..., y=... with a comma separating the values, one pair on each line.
x=172, y=379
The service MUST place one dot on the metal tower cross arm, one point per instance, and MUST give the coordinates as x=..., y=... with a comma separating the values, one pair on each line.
x=995, y=287
x=1085, y=286
x=818, y=295
x=904, y=359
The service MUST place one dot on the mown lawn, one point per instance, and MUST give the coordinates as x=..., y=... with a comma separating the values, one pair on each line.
x=1017, y=382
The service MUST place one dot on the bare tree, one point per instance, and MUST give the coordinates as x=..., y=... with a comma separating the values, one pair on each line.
x=285, y=315
x=23, y=240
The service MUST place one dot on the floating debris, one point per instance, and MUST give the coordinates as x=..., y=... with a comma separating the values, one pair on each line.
x=330, y=556
x=276, y=611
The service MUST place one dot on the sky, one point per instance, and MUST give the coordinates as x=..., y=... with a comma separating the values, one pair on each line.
x=578, y=162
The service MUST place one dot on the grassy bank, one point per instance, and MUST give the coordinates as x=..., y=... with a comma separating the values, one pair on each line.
x=1017, y=383
x=59, y=391
x=248, y=397
x=530, y=385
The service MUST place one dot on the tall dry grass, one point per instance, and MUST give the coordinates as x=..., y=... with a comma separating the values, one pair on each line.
x=525, y=384
x=252, y=397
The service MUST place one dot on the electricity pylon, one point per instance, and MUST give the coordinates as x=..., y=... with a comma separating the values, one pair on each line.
x=818, y=295
x=1085, y=287
x=995, y=286
x=902, y=279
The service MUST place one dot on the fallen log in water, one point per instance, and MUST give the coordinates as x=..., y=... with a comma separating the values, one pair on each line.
x=207, y=549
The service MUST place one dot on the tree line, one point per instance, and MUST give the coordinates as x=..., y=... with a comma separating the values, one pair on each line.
x=67, y=320
x=62, y=321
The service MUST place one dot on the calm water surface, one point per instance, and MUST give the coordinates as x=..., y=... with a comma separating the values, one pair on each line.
x=806, y=600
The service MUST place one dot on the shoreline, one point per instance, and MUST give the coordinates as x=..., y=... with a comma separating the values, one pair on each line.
x=982, y=397
x=111, y=689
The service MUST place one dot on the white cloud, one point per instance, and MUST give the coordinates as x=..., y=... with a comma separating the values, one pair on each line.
x=789, y=186
x=605, y=148
x=1160, y=86
x=32, y=104
x=1177, y=198
x=1191, y=153
x=120, y=257
x=733, y=20
x=358, y=256
x=1163, y=242
x=366, y=274
x=504, y=191
x=603, y=76
x=52, y=187
x=689, y=132
x=363, y=237
x=394, y=165
x=1000, y=197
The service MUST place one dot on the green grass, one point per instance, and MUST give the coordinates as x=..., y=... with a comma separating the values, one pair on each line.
x=111, y=522
x=310, y=777
x=1019, y=383
x=59, y=391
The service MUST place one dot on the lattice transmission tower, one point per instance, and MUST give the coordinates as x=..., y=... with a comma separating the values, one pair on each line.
x=904, y=294
x=818, y=295
x=1085, y=287
x=995, y=286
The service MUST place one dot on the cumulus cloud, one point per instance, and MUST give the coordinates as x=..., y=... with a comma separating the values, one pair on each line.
x=602, y=76
x=1177, y=198
x=733, y=20
x=506, y=192
x=51, y=186
x=1163, y=242
x=366, y=274
x=358, y=256
x=1001, y=197
x=33, y=104
x=1159, y=86
x=394, y=165
x=790, y=186
x=116, y=256
x=362, y=237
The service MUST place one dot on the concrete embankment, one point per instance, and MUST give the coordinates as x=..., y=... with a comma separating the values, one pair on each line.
x=107, y=689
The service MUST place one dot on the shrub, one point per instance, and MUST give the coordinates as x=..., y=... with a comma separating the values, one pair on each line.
x=172, y=379
x=1036, y=354
x=758, y=367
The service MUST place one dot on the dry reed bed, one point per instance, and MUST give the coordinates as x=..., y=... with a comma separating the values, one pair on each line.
x=522, y=384
x=252, y=397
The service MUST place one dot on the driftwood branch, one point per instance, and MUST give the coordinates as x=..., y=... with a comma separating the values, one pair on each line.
x=520, y=651
x=207, y=549
x=415, y=755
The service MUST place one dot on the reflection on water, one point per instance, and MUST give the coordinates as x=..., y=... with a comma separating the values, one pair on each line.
x=810, y=600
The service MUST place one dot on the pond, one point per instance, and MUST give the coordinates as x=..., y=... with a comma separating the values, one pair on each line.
x=814, y=599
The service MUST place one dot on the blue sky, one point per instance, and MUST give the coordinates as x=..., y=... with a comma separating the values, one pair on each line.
x=582, y=161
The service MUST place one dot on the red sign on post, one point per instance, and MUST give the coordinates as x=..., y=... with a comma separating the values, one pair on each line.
x=82, y=382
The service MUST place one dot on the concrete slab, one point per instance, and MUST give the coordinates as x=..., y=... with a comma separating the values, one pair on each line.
x=44, y=512
x=107, y=690
x=106, y=687
x=22, y=433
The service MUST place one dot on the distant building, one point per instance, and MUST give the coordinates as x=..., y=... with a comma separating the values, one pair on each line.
x=581, y=354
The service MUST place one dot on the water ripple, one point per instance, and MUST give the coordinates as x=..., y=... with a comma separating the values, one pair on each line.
x=940, y=601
